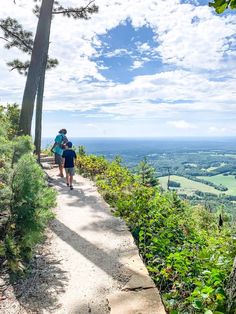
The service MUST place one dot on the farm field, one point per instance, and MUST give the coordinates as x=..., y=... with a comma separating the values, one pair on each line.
x=188, y=186
x=227, y=181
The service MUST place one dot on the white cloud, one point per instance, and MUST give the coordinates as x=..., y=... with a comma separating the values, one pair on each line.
x=193, y=49
x=217, y=130
x=117, y=53
x=143, y=47
x=137, y=64
x=181, y=124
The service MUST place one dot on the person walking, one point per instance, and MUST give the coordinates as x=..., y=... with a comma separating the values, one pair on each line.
x=69, y=157
x=58, y=148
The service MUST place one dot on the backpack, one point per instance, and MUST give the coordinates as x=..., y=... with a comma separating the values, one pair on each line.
x=64, y=140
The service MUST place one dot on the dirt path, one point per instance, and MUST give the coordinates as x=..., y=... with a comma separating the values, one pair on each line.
x=91, y=264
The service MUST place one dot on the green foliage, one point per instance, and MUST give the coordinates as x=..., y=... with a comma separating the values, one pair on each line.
x=146, y=173
x=115, y=182
x=188, y=257
x=112, y=179
x=174, y=184
x=81, y=151
x=9, y=117
x=221, y=5
x=31, y=200
x=19, y=38
x=21, y=145
x=91, y=165
x=25, y=199
x=7, y=129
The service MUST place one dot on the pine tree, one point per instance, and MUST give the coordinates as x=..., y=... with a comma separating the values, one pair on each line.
x=40, y=50
x=16, y=36
x=146, y=173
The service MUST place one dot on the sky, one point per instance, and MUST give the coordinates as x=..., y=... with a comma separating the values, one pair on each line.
x=138, y=68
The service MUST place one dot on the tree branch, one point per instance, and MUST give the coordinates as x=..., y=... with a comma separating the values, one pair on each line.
x=77, y=11
x=5, y=39
x=15, y=36
x=19, y=68
x=73, y=10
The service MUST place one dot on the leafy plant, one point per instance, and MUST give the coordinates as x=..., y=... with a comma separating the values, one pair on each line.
x=221, y=5
x=146, y=173
x=30, y=204
x=25, y=199
x=188, y=257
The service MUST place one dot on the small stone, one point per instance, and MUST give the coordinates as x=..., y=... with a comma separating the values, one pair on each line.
x=2, y=282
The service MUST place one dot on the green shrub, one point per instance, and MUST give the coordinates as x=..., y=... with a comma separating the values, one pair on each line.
x=90, y=165
x=146, y=173
x=9, y=117
x=21, y=145
x=25, y=199
x=188, y=257
x=174, y=184
x=30, y=211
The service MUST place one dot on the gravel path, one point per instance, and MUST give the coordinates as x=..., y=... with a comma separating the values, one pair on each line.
x=90, y=263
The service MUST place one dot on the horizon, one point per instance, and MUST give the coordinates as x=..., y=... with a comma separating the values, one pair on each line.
x=150, y=137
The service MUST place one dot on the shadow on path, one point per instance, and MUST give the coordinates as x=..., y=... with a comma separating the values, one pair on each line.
x=78, y=195
x=108, y=262
x=40, y=290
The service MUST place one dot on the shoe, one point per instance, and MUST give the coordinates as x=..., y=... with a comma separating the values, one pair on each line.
x=71, y=187
x=67, y=184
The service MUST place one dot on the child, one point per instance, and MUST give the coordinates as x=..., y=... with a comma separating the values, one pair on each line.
x=69, y=157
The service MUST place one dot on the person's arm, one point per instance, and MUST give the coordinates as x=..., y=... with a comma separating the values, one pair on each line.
x=54, y=145
x=57, y=141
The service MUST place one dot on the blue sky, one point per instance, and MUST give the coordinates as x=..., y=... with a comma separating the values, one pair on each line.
x=137, y=68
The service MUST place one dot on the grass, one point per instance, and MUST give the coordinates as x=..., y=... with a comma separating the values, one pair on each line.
x=214, y=168
x=188, y=186
x=227, y=181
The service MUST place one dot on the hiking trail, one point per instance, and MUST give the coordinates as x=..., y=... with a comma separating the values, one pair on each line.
x=90, y=263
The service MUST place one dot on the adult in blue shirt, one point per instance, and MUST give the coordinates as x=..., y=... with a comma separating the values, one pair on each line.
x=58, y=148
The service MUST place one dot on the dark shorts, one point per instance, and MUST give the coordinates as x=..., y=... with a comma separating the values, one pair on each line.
x=70, y=171
x=58, y=159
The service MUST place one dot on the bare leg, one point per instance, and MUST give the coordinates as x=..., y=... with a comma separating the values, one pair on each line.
x=71, y=180
x=61, y=170
x=67, y=178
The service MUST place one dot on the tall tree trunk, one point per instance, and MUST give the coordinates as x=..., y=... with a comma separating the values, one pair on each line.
x=38, y=116
x=39, y=108
x=40, y=47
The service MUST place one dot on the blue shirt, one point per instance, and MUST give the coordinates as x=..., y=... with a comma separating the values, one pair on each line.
x=69, y=155
x=59, y=140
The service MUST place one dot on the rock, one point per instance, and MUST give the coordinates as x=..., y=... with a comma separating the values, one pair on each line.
x=46, y=165
x=2, y=282
x=145, y=301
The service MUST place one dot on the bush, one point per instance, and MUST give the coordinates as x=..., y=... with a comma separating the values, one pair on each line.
x=174, y=184
x=187, y=256
x=25, y=199
x=90, y=166
x=146, y=173
x=29, y=207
